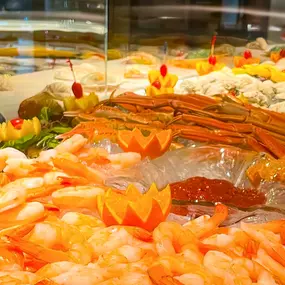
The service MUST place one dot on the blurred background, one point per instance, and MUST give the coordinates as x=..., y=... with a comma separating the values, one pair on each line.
x=81, y=26
x=235, y=21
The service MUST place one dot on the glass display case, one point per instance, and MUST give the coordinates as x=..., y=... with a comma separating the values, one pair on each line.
x=37, y=40
x=180, y=32
x=142, y=141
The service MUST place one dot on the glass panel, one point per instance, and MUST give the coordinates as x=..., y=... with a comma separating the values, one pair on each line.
x=183, y=29
x=37, y=39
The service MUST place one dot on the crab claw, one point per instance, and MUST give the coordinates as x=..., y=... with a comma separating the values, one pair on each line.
x=271, y=143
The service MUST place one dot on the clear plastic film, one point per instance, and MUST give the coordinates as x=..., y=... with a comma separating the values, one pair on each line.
x=212, y=162
x=184, y=212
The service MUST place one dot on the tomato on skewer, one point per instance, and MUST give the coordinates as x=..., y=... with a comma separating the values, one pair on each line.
x=17, y=123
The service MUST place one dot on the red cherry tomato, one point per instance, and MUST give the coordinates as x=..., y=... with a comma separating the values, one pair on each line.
x=77, y=90
x=282, y=52
x=247, y=54
x=17, y=123
x=156, y=84
x=163, y=70
x=212, y=60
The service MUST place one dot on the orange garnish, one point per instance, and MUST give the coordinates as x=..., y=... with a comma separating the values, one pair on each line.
x=153, y=145
x=135, y=209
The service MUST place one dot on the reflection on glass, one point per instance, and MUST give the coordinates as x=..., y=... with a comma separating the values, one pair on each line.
x=38, y=37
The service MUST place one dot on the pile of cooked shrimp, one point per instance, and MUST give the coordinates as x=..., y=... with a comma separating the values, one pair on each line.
x=49, y=232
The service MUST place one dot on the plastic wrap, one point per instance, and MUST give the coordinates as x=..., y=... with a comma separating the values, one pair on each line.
x=184, y=212
x=213, y=162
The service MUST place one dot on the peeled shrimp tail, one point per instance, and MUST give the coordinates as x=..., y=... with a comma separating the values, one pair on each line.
x=159, y=275
x=139, y=233
x=78, y=169
x=220, y=215
x=18, y=231
x=39, y=252
x=46, y=282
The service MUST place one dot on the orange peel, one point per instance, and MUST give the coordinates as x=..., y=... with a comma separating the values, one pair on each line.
x=154, y=145
x=133, y=208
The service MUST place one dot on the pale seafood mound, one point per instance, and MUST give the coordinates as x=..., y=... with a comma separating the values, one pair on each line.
x=266, y=94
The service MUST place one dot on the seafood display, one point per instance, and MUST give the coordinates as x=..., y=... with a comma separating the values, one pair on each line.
x=118, y=237
x=192, y=117
x=185, y=185
x=265, y=94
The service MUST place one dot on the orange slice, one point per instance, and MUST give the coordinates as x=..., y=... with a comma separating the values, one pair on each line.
x=133, y=193
x=135, y=209
x=153, y=145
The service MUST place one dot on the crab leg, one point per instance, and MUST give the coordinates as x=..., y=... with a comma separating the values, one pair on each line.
x=210, y=136
x=210, y=122
x=200, y=100
x=178, y=128
x=255, y=145
x=271, y=143
x=268, y=126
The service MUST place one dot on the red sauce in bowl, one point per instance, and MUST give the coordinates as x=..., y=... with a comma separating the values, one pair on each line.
x=216, y=190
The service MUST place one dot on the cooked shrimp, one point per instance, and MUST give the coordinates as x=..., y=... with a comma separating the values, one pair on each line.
x=268, y=240
x=220, y=215
x=8, y=153
x=167, y=267
x=53, y=177
x=275, y=268
x=11, y=198
x=85, y=197
x=93, y=155
x=111, y=238
x=233, y=270
x=16, y=192
x=22, y=215
x=190, y=279
x=272, y=226
x=10, y=259
x=253, y=269
x=198, y=222
x=19, y=167
x=265, y=278
x=44, y=186
x=71, y=145
x=126, y=254
x=260, y=235
x=46, y=156
x=218, y=263
x=52, y=270
x=4, y=179
x=171, y=238
x=79, y=275
x=26, y=183
x=124, y=160
x=53, y=240
x=128, y=278
x=231, y=238
x=85, y=223
x=46, y=282
x=17, y=278
x=73, y=168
